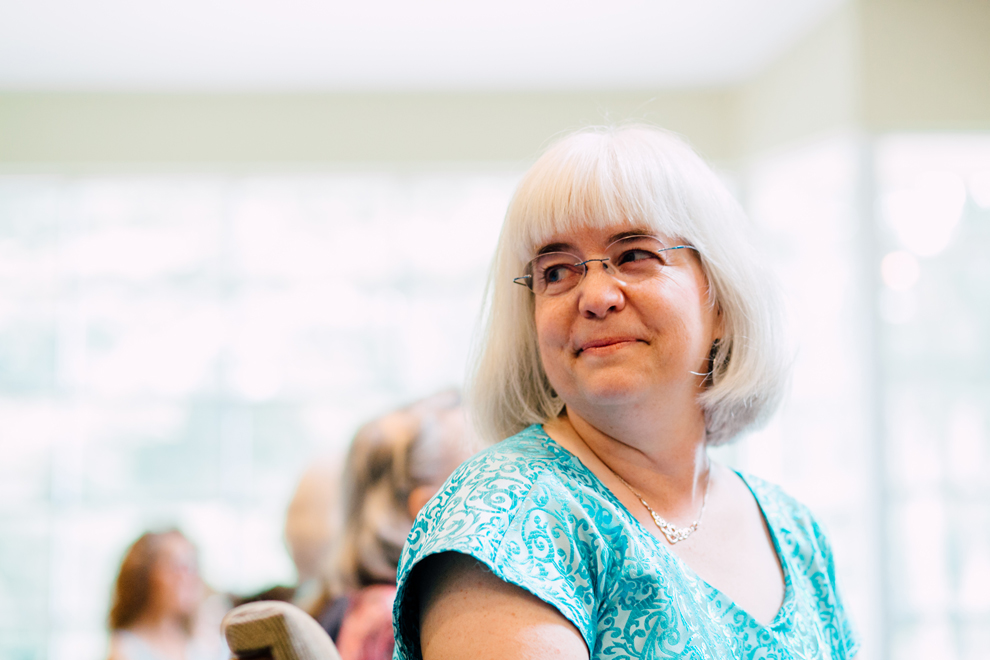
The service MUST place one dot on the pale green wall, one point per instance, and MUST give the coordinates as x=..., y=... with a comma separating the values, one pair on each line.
x=926, y=64
x=876, y=65
x=811, y=89
x=79, y=130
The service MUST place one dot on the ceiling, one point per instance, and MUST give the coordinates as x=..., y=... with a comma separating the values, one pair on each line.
x=393, y=45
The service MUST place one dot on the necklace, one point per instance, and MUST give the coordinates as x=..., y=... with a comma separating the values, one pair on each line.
x=673, y=533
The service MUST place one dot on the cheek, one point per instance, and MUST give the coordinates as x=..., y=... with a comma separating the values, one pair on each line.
x=690, y=305
x=195, y=587
x=189, y=591
x=696, y=337
x=551, y=337
x=160, y=581
x=552, y=324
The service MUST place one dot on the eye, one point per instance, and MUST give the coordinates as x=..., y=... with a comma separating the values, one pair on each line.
x=638, y=257
x=554, y=274
x=559, y=273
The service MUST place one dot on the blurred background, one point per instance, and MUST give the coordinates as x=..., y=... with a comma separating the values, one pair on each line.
x=231, y=231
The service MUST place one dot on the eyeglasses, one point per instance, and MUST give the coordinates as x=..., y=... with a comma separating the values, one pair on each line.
x=631, y=259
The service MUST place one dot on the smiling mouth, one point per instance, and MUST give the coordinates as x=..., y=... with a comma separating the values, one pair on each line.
x=603, y=345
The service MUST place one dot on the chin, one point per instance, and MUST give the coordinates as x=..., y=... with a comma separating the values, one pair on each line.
x=611, y=391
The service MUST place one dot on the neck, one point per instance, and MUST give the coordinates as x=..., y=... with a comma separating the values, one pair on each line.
x=669, y=468
x=157, y=624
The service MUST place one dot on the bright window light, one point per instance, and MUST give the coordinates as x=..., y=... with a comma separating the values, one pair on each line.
x=900, y=270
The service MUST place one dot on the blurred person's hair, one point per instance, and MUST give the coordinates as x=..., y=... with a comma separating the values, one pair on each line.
x=647, y=177
x=132, y=591
x=312, y=518
x=389, y=458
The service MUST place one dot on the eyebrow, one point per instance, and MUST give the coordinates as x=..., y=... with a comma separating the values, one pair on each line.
x=568, y=247
x=632, y=232
x=554, y=247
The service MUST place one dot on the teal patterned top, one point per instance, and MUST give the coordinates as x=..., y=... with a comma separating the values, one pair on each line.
x=538, y=518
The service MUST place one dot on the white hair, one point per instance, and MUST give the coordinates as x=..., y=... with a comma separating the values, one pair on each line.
x=600, y=178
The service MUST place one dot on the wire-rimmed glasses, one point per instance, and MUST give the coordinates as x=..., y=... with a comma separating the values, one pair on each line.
x=630, y=259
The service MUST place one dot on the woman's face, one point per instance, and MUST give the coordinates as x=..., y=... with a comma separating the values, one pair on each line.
x=175, y=577
x=606, y=342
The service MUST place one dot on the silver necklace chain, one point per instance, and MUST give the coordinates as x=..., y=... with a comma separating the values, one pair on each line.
x=671, y=532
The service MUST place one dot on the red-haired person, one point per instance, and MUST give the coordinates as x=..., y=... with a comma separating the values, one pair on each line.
x=155, y=600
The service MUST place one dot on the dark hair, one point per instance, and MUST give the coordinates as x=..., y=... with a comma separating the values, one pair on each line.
x=132, y=589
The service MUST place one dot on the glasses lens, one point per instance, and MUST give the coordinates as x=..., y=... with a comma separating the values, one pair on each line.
x=555, y=273
x=637, y=257
x=630, y=259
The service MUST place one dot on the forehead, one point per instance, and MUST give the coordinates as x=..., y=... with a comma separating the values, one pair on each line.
x=583, y=234
x=177, y=547
x=595, y=237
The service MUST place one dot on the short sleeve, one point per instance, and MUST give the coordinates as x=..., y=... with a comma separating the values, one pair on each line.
x=520, y=522
x=838, y=624
x=805, y=548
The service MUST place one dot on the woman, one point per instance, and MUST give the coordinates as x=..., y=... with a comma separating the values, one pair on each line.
x=646, y=330
x=155, y=601
x=394, y=466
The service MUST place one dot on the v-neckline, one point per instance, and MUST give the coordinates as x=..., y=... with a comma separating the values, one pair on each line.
x=783, y=612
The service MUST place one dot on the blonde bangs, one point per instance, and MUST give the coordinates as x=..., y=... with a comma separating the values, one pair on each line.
x=583, y=185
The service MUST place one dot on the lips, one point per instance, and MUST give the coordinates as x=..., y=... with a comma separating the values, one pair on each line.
x=602, y=344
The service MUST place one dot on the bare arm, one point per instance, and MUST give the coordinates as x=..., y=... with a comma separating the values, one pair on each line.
x=466, y=612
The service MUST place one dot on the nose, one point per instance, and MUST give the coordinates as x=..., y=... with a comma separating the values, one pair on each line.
x=599, y=292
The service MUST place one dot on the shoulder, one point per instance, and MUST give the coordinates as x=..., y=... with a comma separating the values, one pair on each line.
x=519, y=460
x=783, y=512
x=126, y=645
x=807, y=552
x=469, y=612
x=115, y=652
x=530, y=513
x=475, y=507
x=796, y=529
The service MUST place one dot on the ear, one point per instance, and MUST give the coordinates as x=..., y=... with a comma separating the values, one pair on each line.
x=418, y=498
x=718, y=329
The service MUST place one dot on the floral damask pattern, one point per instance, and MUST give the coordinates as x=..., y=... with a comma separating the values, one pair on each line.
x=532, y=513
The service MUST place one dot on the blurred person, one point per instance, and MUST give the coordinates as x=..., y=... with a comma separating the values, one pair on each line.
x=311, y=525
x=157, y=600
x=645, y=330
x=310, y=528
x=394, y=466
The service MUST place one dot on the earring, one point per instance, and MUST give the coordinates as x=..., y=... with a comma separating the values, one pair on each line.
x=711, y=363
